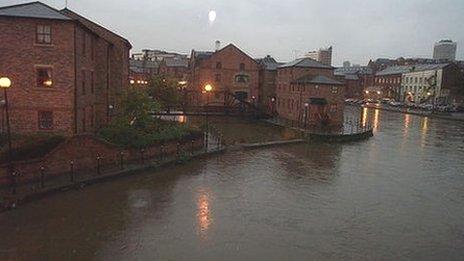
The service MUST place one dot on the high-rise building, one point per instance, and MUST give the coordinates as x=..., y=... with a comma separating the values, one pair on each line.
x=445, y=50
x=323, y=56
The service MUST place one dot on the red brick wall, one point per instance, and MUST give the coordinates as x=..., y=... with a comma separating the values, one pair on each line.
x=83, y=151
x=291, y=97
x=230, y=58
x=20, y=56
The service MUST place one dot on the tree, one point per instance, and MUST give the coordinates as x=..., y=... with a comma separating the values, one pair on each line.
x=165, y=91
x=137, y=108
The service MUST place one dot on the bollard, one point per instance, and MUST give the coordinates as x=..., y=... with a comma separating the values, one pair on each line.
x=71, y=163
x=42, y=177
x=121, y=160
x=193, y=147
x=142, y=151
x=178, y=150
x=98, y=165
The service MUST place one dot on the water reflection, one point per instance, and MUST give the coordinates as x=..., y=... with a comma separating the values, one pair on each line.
x=365, y=116
x=376, y=120
x=204, y=213
x=424, y=131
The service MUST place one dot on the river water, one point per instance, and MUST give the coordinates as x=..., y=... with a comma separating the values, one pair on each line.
x=397, y=196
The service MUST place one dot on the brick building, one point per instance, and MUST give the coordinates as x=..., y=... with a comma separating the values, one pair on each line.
x=388, y=81
x=356, y=80
x=267, y=84
x=175, y=68
x=68, y=73
x=142, y=71
x=307, y=91
x=233, y=74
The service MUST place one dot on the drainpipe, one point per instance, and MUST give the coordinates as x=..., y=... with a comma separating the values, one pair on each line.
x=75, y=79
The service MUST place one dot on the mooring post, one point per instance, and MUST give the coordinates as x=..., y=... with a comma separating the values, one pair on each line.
x=98, y=164
x=193, y=146
x=121, y=160
x=142, y=151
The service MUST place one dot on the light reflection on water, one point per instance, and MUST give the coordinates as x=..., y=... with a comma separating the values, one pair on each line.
x=396, y=196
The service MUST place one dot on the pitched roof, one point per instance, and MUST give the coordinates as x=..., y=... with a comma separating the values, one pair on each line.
x=176, y=62
x=307, y=63
x=33, y=10
x=318, y=79
x=353, y=70
x=269, y=63
x=411, y=68
x=94, y=27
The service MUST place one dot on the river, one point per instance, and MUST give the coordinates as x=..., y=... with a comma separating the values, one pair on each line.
x=397, y=196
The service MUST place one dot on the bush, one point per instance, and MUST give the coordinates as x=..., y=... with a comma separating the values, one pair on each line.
x=131, y=136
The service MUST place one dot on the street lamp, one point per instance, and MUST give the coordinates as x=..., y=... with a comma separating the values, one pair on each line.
x=208, y=88
x=306, y=105
x=5, y=83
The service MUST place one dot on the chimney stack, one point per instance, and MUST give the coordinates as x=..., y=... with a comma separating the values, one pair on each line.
x=218, y=45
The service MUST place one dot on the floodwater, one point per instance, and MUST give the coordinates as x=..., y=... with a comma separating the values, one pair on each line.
x=397, y=196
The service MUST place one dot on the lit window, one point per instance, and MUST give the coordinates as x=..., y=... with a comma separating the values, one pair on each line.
x=44, y=77
x=334, y=89
x=45, y=120
x=44, y=34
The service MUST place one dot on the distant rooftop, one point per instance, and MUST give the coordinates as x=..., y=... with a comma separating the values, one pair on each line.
x=411, y=68
x=353, y=70
x=176, y=62
x=306, y=63
x=318, y=79
x=33, y=10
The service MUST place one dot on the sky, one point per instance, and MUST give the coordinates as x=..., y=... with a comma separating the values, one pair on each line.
x=358, y=30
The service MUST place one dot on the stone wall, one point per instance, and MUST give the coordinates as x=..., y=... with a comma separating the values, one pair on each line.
x=83, y=151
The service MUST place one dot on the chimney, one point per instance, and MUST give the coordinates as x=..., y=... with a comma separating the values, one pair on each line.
x=218, y=45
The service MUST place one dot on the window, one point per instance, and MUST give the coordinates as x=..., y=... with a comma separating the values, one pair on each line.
x=241, y=78
x=242, y=67
x=45, y=120
x=92, y=116
x=334, y=89
x=92, y=47
x=218, y=65
x=218, y=78
x=44, y=34
x=44, y=77
x=83, y=81
x=92, y=82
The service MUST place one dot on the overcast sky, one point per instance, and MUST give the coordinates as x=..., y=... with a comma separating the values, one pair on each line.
x=358, y=30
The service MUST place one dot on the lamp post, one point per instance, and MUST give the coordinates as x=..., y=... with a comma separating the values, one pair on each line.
x=306, y=105
x=273, y=100
x=208, y=88
x=5, y=83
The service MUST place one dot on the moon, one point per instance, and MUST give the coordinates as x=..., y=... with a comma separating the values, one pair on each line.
x=212, y=16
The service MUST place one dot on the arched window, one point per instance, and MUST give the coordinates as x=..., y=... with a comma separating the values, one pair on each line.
x=242, y=67
x=218, y=65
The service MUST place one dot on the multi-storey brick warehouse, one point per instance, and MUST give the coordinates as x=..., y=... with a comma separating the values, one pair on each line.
x=307, y=92
x=230, y=71
x=65, y=74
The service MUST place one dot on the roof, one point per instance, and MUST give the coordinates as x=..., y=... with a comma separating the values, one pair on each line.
x=352, y=77
x=143, y=64
x=176, y=62
x=33, y=10
x=392, y=70
x=318, y=79
x=269, y=63
x=353, y=70
x=307, y=63
x=94, y=27
x=202, y=55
